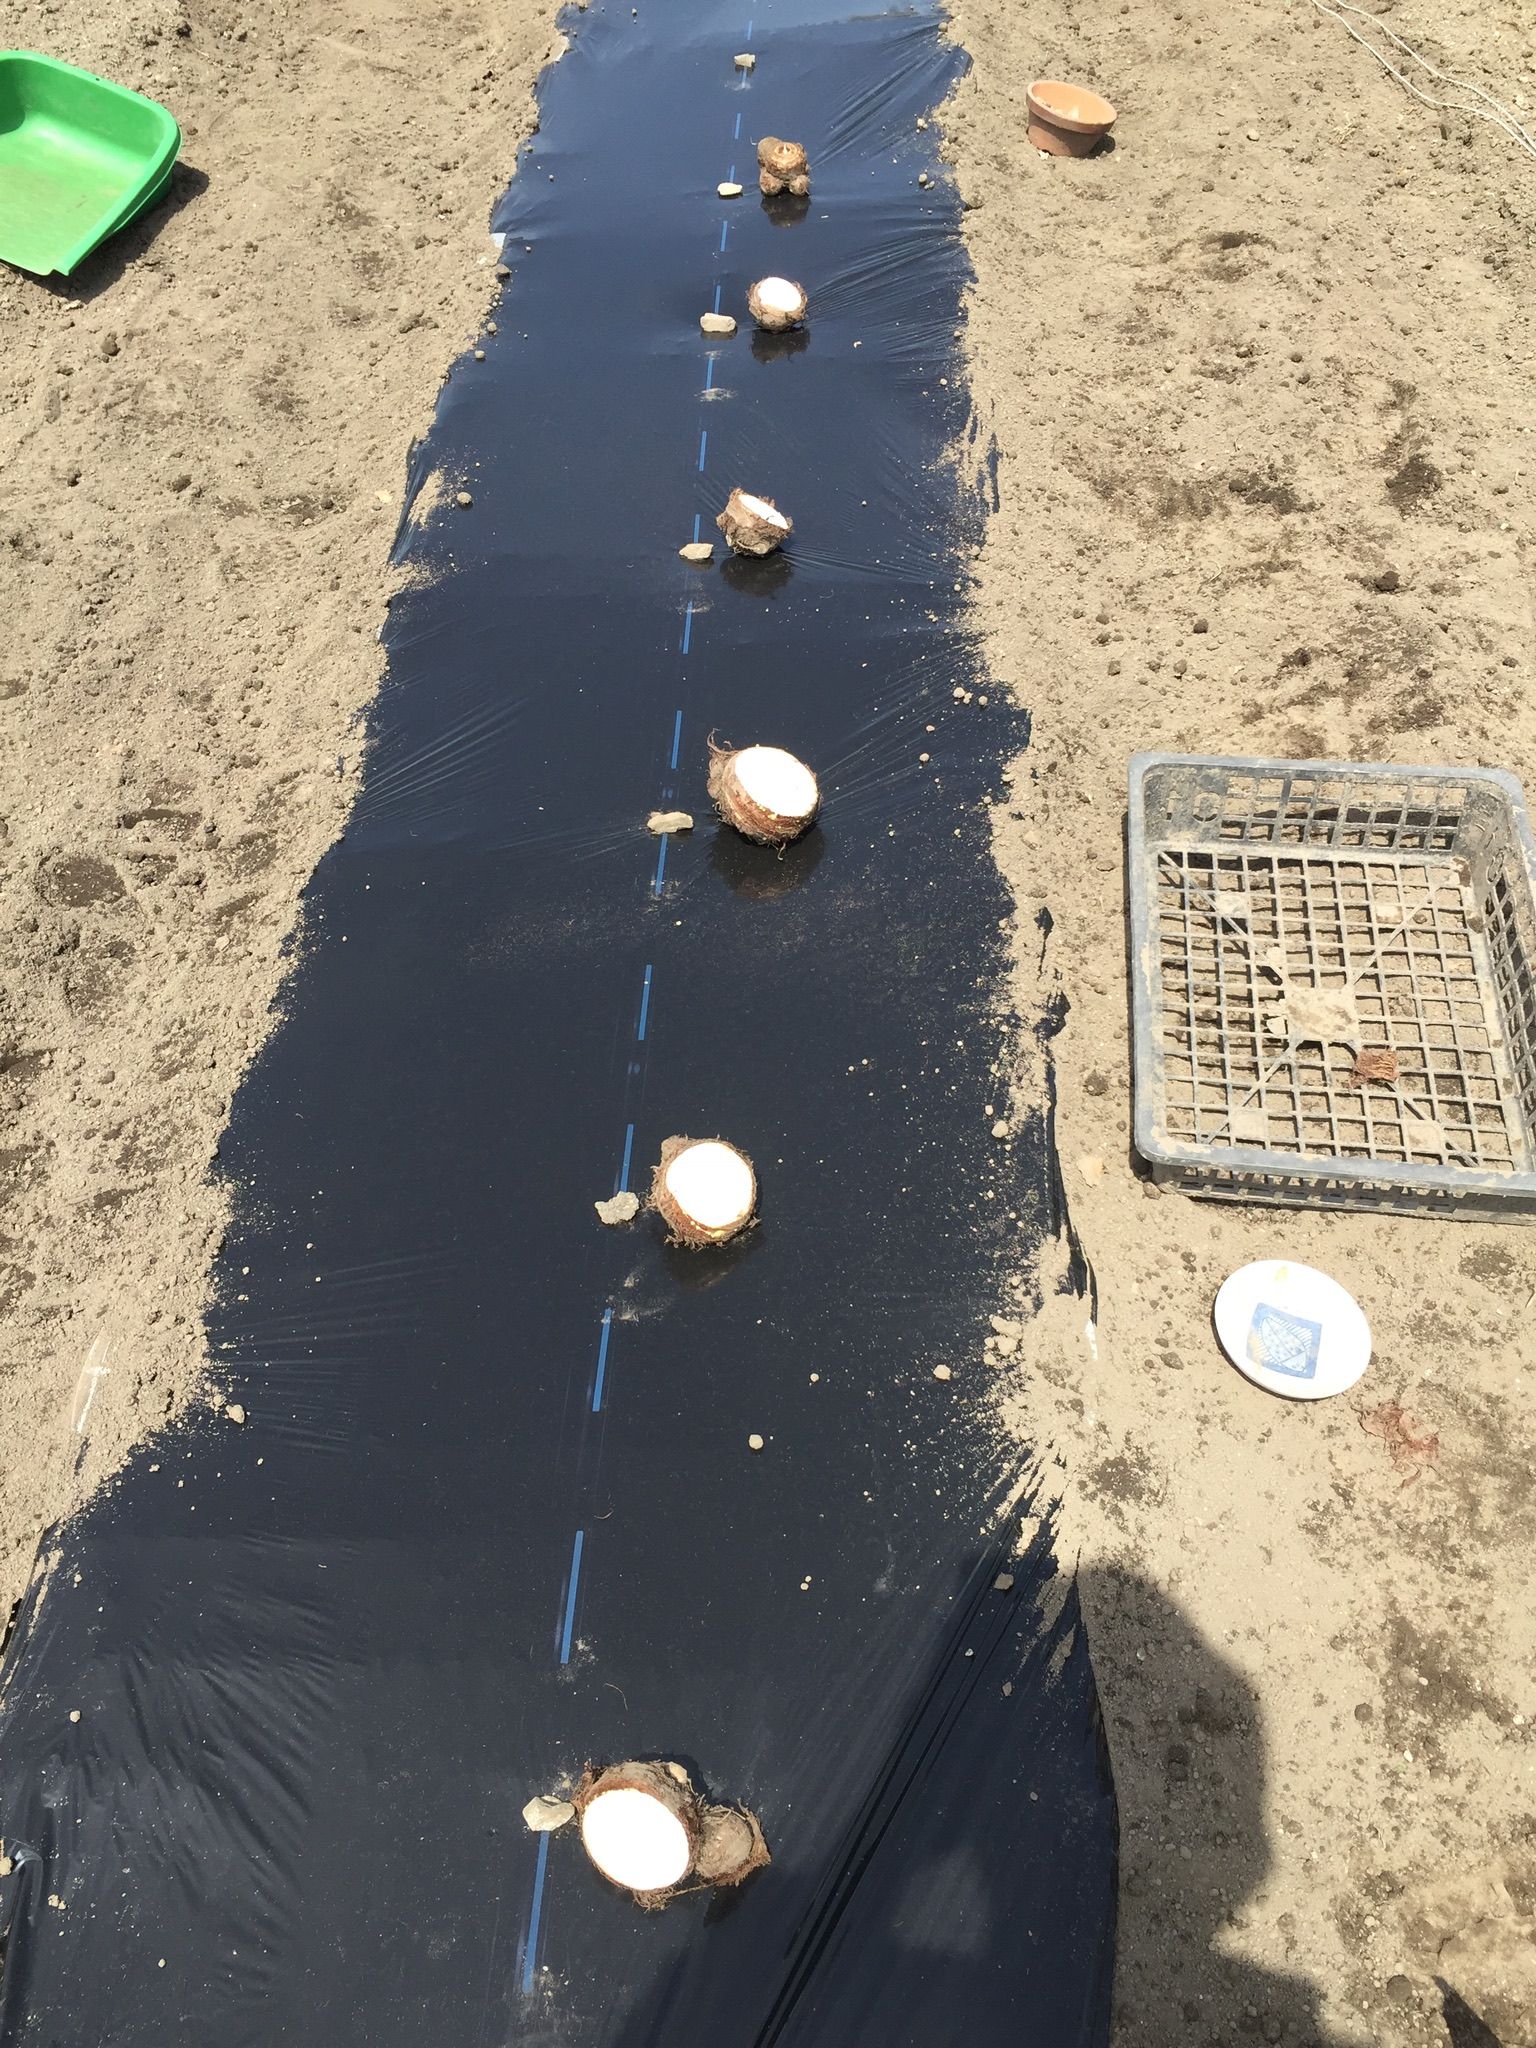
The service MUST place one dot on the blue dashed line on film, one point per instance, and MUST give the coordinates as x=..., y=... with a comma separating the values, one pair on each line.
x=570, y=1598
x=529, y=1973
x=531, y=1952
x=602, y=1362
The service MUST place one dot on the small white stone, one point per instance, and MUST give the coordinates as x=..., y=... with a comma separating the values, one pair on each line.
x=942, y=1372
x=754, y=1442
x=669, y=821
x=727, y=190
x=697, y=551
x=1000, y=1129
x=618, y=1208
x=746, y=61
x=717, y=323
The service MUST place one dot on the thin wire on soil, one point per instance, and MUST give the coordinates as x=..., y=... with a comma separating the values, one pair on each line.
x=1489, y=108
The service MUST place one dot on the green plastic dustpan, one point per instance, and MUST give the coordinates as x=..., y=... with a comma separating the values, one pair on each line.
x=80, y=157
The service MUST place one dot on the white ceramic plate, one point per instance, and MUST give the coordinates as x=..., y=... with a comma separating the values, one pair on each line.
x=1292, y=1330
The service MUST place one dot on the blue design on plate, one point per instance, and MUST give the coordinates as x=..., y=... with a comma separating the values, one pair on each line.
x=1281, y=1342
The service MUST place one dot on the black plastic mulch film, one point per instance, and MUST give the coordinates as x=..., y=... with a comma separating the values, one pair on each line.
x=493, y=1514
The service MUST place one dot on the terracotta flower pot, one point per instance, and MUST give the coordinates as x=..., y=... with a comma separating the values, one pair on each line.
x=1067, y=120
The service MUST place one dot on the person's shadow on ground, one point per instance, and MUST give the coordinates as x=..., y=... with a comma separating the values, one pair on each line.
x=1190, y=1767
x=973, y=1899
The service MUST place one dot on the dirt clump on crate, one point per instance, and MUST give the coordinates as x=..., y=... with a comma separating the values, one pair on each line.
x=1259, y=380
x=202, y=445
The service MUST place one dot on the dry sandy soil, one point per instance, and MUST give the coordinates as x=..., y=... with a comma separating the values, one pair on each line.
x=202, y=447
x=1274, y=344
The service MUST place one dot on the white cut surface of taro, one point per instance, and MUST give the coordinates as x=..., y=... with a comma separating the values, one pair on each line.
x=781, y=294
x=776, y=780
x=761, y=509
x=635, y=1840
x=710, y=1182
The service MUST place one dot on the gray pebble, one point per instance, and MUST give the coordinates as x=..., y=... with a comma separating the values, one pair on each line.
x=547, y=1812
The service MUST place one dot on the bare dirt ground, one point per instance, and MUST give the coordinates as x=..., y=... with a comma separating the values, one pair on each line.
x=1276, y=344
x=202, y=445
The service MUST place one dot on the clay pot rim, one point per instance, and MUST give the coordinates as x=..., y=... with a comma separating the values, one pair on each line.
x=1044, y=110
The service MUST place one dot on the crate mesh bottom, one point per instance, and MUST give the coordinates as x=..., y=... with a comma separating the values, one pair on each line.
x=1279, y=969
